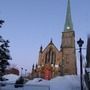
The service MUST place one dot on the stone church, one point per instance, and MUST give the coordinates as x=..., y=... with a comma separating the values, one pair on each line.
x=53, y=62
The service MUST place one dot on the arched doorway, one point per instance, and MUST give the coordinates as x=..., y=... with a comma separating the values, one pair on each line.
x=47, y=72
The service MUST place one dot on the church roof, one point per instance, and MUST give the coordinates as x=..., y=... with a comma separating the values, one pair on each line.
x=68, y=22
x=51, y=44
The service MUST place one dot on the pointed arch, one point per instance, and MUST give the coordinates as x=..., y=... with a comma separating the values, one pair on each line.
x=50, y=57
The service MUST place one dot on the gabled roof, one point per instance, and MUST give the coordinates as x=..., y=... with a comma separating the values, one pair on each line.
x=51, y=44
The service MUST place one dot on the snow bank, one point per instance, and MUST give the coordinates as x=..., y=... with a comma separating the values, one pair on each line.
x=38, y=81
x=65, y=83
x=11, y=78
x=69, y=82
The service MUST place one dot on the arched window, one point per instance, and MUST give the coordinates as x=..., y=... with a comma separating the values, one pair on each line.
x=50, y=57
x=53, y=58
x=46, y=58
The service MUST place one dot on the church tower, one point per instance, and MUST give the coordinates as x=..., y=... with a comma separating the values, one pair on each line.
x=68, y=45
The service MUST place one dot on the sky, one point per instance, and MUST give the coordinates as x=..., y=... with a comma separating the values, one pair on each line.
x=32, y=23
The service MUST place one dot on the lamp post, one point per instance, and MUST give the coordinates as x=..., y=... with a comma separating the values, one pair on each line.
x=25, y=72
x=80, y=42
x=21, y=71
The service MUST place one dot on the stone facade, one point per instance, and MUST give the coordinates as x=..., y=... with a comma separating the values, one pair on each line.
x=53, y=62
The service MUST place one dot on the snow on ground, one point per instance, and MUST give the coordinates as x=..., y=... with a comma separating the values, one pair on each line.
x=38, y=81
x=65, y=83
x=68, y=82
x=11, y=78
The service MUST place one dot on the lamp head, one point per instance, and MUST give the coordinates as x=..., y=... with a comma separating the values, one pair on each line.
x=80, y=42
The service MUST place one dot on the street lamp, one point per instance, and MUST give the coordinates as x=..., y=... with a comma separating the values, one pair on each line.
x=25, y=72
x=21, y=71
x=80, y=42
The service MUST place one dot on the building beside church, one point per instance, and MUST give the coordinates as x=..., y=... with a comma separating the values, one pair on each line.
x=87, y=68
x=53, y=62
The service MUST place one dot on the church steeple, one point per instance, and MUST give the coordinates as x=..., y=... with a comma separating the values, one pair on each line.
x=68, y=22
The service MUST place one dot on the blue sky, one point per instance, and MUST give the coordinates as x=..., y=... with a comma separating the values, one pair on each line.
x=32, y=23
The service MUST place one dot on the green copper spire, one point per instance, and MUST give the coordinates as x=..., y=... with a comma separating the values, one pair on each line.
x=68, y=23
